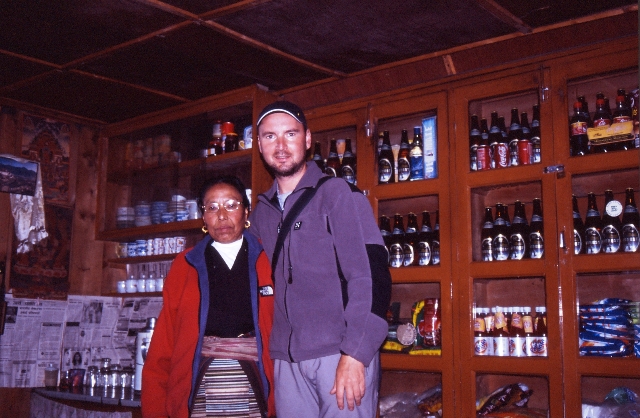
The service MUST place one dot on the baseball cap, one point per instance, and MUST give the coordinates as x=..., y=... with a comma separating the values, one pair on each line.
x=283, y=106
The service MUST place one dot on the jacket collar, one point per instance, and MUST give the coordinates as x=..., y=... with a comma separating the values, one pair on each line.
x=309, y=179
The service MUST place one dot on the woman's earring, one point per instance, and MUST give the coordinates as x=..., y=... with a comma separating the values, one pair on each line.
x=204, y=229
x=247, y=224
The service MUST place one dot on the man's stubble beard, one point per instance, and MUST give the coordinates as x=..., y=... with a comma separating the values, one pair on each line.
x=283, y=173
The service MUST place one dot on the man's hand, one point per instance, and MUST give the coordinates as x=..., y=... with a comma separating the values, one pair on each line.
x=349, y=381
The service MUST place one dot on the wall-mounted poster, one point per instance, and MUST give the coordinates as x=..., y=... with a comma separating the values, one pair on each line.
x=18, y=176
x=48, y=142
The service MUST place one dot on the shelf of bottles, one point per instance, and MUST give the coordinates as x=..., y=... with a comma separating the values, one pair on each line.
x=411, y=394
x=407, y=148
x=411, y=231
x=139, y=277
x=504, y=132
x=496, y=393
x=415, y=327
x=509, y=317
x=603, y=113
x=335, y=152
x=154, y=173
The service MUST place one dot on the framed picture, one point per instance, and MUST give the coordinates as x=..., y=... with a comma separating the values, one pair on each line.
x=17, y=175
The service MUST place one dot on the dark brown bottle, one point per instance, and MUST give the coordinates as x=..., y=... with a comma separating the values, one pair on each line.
x=332, y=167
x=519, y=234
x=536, y=231
x=578, y=229
x=385, y=230
x=585, y=110
x=578, y=130
x=500, y=244
x=525, y=147
x=386, y=165
x=425, y=237
x=486, y=235
x=601, y=117
x=515, y=135
x=592, y=227
x=410, y=243
x=483, y=152
x=611, y=225
x=416, y=157
x=622, y=113
x=435, y=241
x=317, y=155
x=348, y=164
x=475, y=136
x=404, y=163
x=630, y=223
x=396, y=249
x=535, y=134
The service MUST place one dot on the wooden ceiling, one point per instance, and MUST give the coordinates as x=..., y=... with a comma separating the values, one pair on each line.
x=106, y=61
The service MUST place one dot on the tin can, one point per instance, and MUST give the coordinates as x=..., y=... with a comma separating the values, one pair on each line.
x=525, y=151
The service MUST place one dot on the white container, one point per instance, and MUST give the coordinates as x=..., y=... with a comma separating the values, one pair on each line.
x=143, y=339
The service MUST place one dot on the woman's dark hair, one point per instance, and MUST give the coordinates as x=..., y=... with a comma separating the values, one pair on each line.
x=232, y=181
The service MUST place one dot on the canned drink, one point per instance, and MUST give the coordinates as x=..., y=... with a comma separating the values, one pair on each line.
x=501, y=155
x=483, y=158
x=525, y=151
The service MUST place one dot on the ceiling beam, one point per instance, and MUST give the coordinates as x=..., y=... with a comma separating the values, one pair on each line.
x=504, y=15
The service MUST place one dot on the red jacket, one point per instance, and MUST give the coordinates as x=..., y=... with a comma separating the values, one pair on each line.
x=170, y=370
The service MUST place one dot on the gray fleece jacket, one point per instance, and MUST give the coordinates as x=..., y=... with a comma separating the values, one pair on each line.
x=332, y=283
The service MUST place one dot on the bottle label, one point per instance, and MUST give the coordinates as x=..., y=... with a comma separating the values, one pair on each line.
x=593, y=240
x=535, y=144
x=473, y=158
x=610, y=239
x=513, y=152
x=577, y=242
x=613, y=208
x=517, y=247
x=501, y=155
x=578, y=128
x=348, y=174
x=489, y=322
x=501, y=346
x=487, y=253
x=481, y=346
x=478, y=325
x=536, y=245
x=593, y=212
x=435, y=253
x=499, y=320
x=417, y=167
x=396, y=255
x=385, y=170
x=601, y=122
x=527, y=323
x=424, y=253
x=517, y=347
x=620, y=119
x=630, y=238
x=500, y=248
x=537, y=346
x=404, y=169
x=408, y=254
x=516, y=321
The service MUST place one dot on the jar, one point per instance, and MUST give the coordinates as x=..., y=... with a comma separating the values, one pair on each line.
x=116, y=371
x=92, y=377
x=126, y=377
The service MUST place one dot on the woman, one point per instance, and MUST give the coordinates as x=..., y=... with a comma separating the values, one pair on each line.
x=219, y=290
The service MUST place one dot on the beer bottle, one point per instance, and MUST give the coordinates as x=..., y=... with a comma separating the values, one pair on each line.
x=480, y=334
x=348, y=165
x=585, y=110
x=536, y=231
x=578, y=130
x=515, y=135
x=519, y=234
x=525, y=148
x=611, y=225
x=333, y=160
x=424, y=240
x=535, y=134
x=498, y=142
x=474, y=141
x=409, y=244
x=317, y=155
x=404, y=164
x=538, y=346
x=489, y=320
x=435, y=242
x=500, y=334
x=487, y=235
x=385, y=231
x=527, y=322
x=517, y=335
x=630, y=223
x=500, y=244
x=483, y=152
x=386, y=165
x=622, y=113
x=396, y=248
x=592, y=226
x=415, y=155
x=578, y=229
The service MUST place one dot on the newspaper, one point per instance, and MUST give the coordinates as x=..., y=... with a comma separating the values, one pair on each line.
x=75, y=333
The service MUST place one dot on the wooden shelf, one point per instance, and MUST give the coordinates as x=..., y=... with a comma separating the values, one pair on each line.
x=507, y=269
x=393, y=361
x=540, y=366
x=134, y=295
x=599, y=263
x=144, y=259
x=618, y=160
x=605, y=366
x=505, y=176
x=427, y=274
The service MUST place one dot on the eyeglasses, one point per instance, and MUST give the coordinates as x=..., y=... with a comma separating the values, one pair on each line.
x=229, y=205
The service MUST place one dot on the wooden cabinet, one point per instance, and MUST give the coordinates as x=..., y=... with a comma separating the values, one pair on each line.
x=157, y=160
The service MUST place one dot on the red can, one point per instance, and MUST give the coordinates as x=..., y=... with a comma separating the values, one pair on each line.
x=227, y=127
x=525, y=151
x=483, y=157
x=501, y=155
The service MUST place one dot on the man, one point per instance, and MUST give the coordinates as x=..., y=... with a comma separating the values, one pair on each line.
x=332, y=283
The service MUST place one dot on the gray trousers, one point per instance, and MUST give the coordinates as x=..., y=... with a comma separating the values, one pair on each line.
x=302, y=389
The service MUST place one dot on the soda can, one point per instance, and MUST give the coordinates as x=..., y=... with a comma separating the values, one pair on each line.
x=483, y=158
x=501, y=155
x=525, y=151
